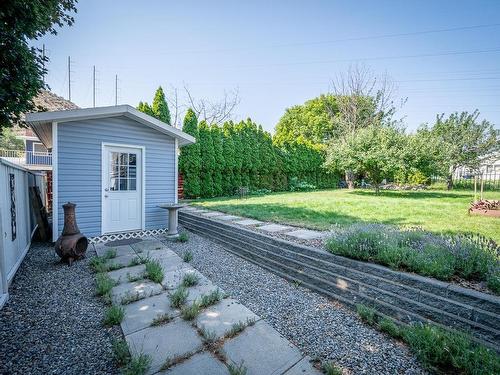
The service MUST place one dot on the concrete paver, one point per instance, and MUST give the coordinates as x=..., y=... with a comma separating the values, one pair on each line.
x=307, y=234
x=262, y=350
x=174, y=339
x=274, y=228
x=196, y=292
x=141, y=289
x=173, y=278
x=144, y=245
x=120, y=250
x=140, y=314
x=248, y=222
x=303, y=367
x=220, y=318
x=122, y=261
x=123, y=274
x=199, y=364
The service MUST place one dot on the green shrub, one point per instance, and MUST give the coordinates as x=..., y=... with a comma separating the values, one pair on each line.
x=154, y=271
x=450, y=351
x=366, y=314
x=468, y=256
x=138, y=365
x=187, y=256
x=113, y=315
x=110, y=253
x=120, y=352
x=179, y=297
x=388, y=326
x=235, y=369
x=190, y=312
x=190, y=279
x=104, y=284
x=331, y=368
x=183, y=237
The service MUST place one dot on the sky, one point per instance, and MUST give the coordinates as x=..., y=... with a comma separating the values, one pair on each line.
x=443, y=56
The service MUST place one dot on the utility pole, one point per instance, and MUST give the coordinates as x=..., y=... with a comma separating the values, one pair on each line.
x=116, y=89
x=69, y=78
x=93, y=87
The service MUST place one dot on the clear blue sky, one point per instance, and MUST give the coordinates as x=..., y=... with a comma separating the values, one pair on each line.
x=281, y=53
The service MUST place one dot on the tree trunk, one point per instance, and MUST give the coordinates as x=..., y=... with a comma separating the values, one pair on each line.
x=449, y=182
x=377, y=189
x=349, y=179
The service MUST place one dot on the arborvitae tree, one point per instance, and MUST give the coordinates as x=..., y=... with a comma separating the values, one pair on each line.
x=229, y=160
x=207, y=160
x=190, y=158
x=160, y=106
x=217, y=140
x=238, y=155
x=146, y=108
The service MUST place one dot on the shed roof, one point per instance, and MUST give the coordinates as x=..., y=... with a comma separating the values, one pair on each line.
x=41, y=122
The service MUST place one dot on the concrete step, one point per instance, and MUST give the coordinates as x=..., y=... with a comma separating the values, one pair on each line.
x=403, y=302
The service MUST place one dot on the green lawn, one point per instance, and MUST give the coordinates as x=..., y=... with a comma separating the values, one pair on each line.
x=434, y=210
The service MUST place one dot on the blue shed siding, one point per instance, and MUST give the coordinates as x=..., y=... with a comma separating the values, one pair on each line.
x=79, y=166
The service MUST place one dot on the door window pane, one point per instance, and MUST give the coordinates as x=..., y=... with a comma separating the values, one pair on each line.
x=131, y=184
x=123, y=184
x=132, y=172
x=131, y=159
x=123, y=171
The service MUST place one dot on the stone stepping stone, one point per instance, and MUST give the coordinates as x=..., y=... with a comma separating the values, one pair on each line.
x=198, y=364
x=248, y=222
x=306, y=234
x=146, y=245
x=212, y=214
x=124, y=274
x=124, y=260
x=158, y=254
x=173, y=339
x=139, y=289
x=229, y=218
x=140, y=314
x=173, y=278
x=195, y=292
x=272, y=228
x=120, y=250
x=262, y=350
x=303, y=367
x=220, y=318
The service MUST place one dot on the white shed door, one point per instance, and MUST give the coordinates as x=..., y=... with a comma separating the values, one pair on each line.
x=122, y=184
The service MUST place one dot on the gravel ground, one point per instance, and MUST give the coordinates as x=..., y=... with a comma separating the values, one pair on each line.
x=323, y=329
x=52, y=321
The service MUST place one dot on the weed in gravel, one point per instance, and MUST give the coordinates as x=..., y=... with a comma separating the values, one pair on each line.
x=161, y=319
x=137, y=260
x=179, y=297
x=98, y=264
x=190, y=312
x=190, y=279
x=183, y=237
x=235, y=369
x=120, y=352
x=209, y=336
x=210, y=299
x=114, y=266
x=113, y=315
x=366, y=314
x=154, y=271
x=239, y=327
x=331, y=368
x=104, y=284
x=388, y=326
x=172, y=361
x=187, y=256
x=138, y=365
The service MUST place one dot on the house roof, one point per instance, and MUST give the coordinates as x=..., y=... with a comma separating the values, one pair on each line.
x=41, y=122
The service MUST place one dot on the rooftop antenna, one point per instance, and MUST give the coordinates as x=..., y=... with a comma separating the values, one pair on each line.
x=69, y=78
x=116, y=89
x=93, y=86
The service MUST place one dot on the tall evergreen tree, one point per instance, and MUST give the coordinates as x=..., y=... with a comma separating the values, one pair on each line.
x=229, y=160
x=217, y=140
x=160, y=106
x=145, y=108
x=207, y=160
x=190, y=158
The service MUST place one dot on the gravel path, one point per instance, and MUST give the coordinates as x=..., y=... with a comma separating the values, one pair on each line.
x=321, y=328
x=52, y=321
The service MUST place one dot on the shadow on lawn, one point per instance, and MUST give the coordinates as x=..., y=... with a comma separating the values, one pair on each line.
x=422, y=194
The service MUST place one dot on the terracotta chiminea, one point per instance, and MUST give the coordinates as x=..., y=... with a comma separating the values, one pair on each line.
x=71, y=244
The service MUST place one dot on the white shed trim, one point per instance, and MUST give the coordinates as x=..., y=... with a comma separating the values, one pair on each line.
x=41, y=121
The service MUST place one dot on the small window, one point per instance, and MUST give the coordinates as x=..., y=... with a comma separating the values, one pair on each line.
x=39, y=148
x=123, y=173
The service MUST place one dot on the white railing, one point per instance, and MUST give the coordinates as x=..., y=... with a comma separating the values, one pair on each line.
x=22, y=157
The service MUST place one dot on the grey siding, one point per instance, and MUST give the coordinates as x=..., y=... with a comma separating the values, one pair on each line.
x=79, y=168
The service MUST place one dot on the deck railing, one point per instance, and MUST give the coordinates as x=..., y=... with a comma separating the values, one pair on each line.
x=22, y=157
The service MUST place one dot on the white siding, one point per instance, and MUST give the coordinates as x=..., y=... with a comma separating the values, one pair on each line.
x=79, y=168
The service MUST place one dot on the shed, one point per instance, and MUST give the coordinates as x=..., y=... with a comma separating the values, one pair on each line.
x=116, y=163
